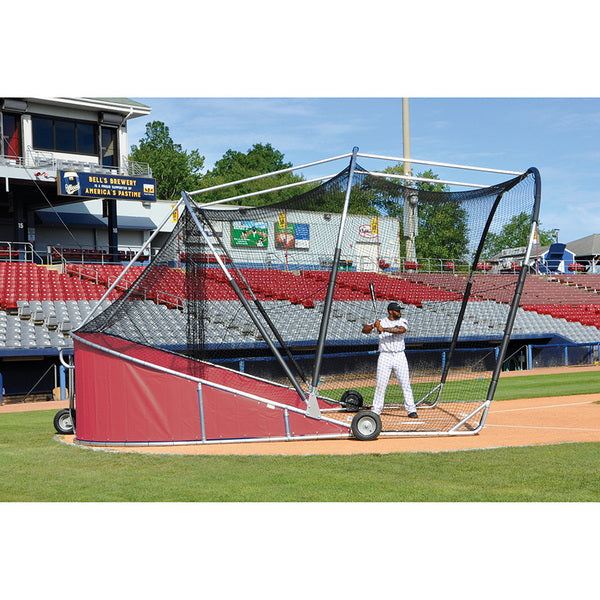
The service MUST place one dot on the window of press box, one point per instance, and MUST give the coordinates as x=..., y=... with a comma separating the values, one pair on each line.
x=64, y=136
x=109, y=152
x=10, y=129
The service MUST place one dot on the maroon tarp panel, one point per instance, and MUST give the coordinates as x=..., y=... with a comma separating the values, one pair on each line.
x=119, y=401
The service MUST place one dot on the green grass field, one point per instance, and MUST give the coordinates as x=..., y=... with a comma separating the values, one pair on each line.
x=34, y=467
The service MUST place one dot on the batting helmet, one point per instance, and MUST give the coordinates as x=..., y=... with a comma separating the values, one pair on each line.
x=395, y=306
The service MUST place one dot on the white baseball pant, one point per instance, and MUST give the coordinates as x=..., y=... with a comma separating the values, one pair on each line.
x=386, y=363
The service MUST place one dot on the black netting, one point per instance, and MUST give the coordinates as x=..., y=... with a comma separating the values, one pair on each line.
x=250, y=291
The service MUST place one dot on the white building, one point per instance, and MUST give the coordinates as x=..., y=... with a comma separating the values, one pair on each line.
x=42, y=138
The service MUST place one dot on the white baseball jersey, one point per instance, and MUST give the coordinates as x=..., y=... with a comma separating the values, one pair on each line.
x=392, y=342
x=392, y=359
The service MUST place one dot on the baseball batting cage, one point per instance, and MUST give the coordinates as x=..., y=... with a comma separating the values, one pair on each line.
x=246, y=325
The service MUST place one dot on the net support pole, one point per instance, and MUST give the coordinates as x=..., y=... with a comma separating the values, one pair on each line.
x=520, y=284
x=313, y=408
x=236, y=288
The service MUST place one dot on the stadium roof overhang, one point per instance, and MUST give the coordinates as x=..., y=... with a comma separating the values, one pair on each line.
x=53, y=218
x=127, y=108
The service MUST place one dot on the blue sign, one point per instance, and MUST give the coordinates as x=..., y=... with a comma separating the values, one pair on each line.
x=302, y=235
x=97, y=185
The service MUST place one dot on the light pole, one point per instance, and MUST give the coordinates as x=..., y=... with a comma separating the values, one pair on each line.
x=410, y=201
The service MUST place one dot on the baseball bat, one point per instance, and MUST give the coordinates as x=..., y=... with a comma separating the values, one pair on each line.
x=373, y=300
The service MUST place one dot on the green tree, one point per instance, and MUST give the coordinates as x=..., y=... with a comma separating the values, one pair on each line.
x=258, y=160
x=364, y=199
x=173, y=168
x=443, y=231
x=514, y=235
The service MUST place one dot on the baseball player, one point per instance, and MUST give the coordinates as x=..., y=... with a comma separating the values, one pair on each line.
x=392, y=330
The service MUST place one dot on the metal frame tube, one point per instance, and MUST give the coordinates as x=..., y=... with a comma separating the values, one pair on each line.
x=201, y=412
x=286, y=420
x=264, y=175
x=275, y=189
x=70, y=367
x=425, y=179
x=437, y=388
x=485, y=405
x=325, y=436
x=438, y=164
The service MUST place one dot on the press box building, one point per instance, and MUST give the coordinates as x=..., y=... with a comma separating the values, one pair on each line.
x=45, y=139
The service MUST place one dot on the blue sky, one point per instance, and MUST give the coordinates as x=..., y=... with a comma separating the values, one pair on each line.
x=559, y=136
x=505, y=86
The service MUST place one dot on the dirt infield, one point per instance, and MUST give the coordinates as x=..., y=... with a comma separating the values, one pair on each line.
x=509, y=423
x=526, y=422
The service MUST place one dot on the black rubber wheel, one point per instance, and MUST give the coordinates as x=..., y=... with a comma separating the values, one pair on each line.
x=366, y=425
x=64, y=422
x=351, y=400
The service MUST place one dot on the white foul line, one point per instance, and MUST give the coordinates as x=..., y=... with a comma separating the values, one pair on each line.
x=495, y=412
x=538, y=427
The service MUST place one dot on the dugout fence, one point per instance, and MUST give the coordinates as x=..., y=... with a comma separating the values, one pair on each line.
x=133, y=389
x=562, y=355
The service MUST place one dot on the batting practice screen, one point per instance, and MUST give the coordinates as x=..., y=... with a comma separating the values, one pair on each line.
x=281, y=292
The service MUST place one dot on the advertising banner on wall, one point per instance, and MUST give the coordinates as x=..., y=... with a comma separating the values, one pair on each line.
x=253, y=234
x=293, y=236
x=97, y=185
x=366, y=231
